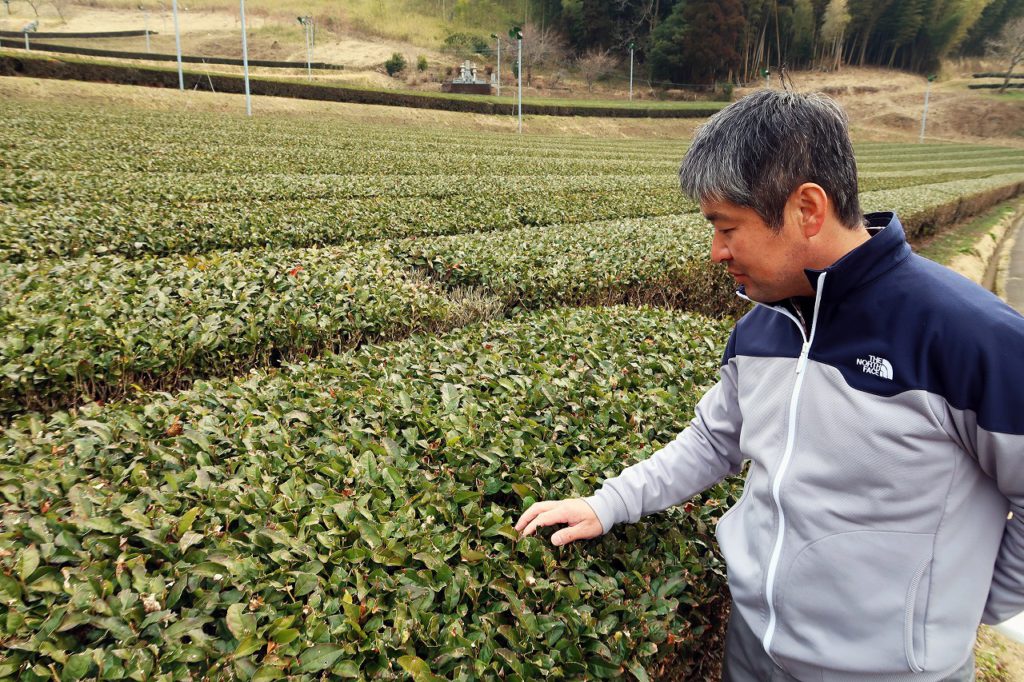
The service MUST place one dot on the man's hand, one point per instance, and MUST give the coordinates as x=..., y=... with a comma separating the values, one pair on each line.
x=583, y=522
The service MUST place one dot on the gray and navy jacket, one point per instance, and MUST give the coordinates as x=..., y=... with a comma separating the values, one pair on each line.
x=886, y=441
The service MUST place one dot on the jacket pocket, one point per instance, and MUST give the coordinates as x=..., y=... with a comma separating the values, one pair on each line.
x=747, y=486
x=855, y=601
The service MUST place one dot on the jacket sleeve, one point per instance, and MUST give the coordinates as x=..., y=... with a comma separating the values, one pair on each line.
x=1002, y=456
x=990, y=369
x=705, y=453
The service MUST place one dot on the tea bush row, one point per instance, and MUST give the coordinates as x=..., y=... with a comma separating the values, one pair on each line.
x=355, y=518
x=154, y=228
x=102, y=327
x=660, y=261
x=105, y=327
x=929, y=208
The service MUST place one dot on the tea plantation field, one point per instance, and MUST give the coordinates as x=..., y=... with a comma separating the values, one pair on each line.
x=273, y=393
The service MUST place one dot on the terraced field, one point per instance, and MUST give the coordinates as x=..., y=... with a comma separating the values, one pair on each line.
x=333, y=364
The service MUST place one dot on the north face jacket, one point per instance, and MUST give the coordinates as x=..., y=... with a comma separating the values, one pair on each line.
x=886, y=442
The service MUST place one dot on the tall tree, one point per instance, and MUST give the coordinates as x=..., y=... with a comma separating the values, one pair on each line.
x=864, y=20
x=833, y=32
x=697, y=42
x=903, y=22
x=802, y=45
x=668, y=40
x=755, y=13
x=945, y=24
x=994, y=17
x=599, y=20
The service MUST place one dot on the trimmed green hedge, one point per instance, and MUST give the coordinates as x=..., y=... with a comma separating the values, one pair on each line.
x=926, y=209
x=660, y=261
x=103, y=327
x=355, y=518
x=67, y=68
x=155, y=227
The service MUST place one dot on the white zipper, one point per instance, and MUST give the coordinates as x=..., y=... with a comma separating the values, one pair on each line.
x=801, y=365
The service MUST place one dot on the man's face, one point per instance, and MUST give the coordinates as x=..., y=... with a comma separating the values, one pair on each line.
x=770, y=265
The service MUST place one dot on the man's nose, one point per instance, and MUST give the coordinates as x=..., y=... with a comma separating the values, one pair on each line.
x=719, y=251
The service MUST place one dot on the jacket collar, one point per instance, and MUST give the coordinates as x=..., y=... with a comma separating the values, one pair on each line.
x=886, y=249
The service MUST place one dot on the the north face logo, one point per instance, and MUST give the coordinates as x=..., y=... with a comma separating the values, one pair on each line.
x=880, y=367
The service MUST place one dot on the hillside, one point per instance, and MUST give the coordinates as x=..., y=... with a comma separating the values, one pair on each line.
x=883, y=104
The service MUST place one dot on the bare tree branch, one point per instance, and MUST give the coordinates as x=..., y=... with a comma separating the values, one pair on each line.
x=541, y=47
x=595, y=65
x=1008, y=47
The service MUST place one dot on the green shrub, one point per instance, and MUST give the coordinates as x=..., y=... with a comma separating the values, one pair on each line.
x=395, y=65
x=465, y=44
x=421, y=63
x=355, y=518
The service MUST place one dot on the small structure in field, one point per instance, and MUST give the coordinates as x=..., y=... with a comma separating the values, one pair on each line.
x=467, y=82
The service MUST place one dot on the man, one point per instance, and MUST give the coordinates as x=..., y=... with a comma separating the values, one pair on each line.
x=878, y=398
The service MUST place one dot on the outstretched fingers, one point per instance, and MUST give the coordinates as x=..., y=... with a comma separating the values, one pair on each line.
x=528, y=520
x=581, y=520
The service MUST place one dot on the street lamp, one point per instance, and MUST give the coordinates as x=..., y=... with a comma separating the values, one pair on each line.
x=765, y=73
x=307, y=23
x=516, y=34
x=29, y=28
x=495, y=36
x=631, y=48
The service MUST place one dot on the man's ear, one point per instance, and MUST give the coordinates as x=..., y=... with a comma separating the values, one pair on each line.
x=811, y=204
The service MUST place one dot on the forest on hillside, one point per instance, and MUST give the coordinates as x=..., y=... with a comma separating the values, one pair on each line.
x=698, y=42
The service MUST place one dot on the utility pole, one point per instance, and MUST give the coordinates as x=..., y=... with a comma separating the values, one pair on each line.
x=924, y=114
x=517, y=34
x=631, y=47
x=495, y=36
x=177, y=44
x=245, y=61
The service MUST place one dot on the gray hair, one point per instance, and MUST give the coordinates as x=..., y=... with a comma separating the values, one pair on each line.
x=758, y=150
